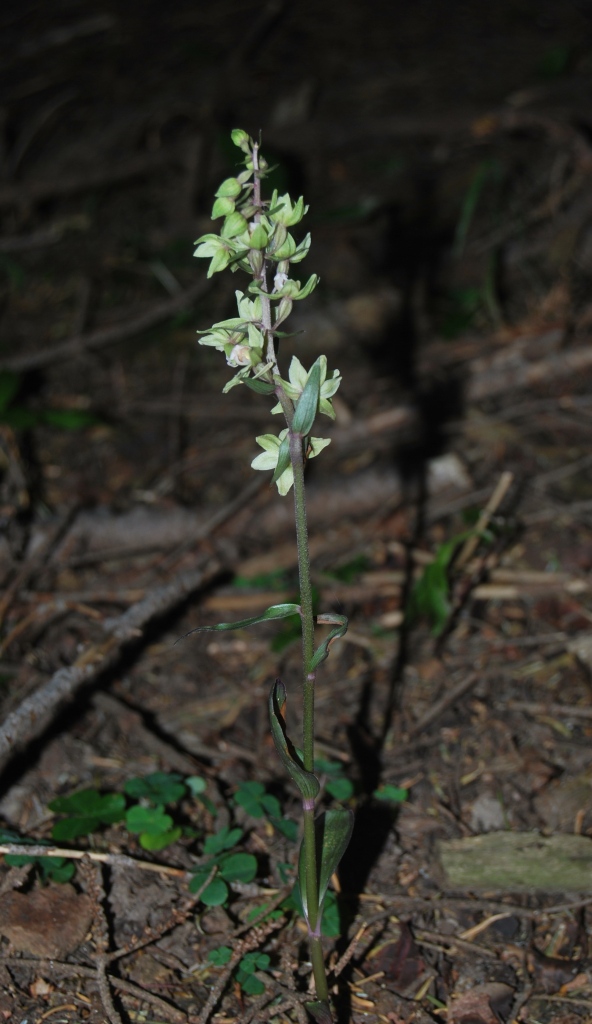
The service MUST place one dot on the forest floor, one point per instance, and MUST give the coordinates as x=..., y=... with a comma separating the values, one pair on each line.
x=447, y=162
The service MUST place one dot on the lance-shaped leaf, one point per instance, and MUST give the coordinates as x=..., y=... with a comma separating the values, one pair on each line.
x=333, y=831
x=260, y=386
x=320, y=1011
x=283, y=459
x=307, y=783
x=308, y=403
x=341, y=623
x=275, y=611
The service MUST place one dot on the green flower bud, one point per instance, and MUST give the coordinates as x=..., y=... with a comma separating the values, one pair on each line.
x=258, y=237
x=235, y=224
x=229, y=188
x=241, y=139
x=256, y=261
x=222, y=207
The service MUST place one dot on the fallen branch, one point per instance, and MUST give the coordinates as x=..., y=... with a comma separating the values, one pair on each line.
x=35, y=713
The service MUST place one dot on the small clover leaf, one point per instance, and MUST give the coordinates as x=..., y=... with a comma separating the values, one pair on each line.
x=220, y=956
x=87, y=810
x=391, y=794
x=150, y=820
x=238, y=867
x=158, y=788
x=225, y=839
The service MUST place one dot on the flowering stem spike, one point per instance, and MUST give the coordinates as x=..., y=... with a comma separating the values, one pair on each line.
x=255, y=238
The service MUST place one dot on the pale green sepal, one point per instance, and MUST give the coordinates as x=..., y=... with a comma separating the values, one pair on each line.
x=219, y=262
x=306, y=782
x=316, y=445
x=269, y=457
x=308, y=403
x=239, y=378
x=308, y=287
x=207, y=245
x=285, y=250
x=275, y=611
x=333, y=831
x=259, y=237
x=301, y=250
x=322, y=651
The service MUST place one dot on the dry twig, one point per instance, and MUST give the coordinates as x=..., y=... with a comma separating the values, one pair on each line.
x=35, y=713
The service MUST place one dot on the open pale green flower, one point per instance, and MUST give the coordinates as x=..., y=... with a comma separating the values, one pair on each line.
x=269, y=457
x=285, y=211
x=298, y=378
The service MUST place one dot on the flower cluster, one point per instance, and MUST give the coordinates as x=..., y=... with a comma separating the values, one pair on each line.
x=254, y=237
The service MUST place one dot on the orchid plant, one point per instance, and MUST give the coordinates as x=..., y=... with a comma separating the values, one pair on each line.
x=255, y=238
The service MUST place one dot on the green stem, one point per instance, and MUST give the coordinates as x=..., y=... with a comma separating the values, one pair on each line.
x=306, y=611
x=297, y=460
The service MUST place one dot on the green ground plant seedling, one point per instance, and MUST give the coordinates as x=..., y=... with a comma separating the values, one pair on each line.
x=245, y=972
x=254, y=799
x=89, y=810
x=154, y=818
x=255, y=237
x=52, y=869
x=230, y=866
x=430, y=595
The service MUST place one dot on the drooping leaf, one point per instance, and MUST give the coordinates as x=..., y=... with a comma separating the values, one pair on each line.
x=276, y=611
x=307, y=783
x=333, y=831
x=331, y=618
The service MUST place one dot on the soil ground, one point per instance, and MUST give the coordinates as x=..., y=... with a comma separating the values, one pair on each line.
x=445, y=154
